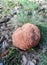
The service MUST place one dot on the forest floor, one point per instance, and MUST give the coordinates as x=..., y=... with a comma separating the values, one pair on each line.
x=13, y=15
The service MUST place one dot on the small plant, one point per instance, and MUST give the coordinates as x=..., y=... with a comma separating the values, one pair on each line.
x=13, y=57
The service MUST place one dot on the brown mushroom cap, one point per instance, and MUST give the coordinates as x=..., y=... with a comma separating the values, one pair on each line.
x=26, y=36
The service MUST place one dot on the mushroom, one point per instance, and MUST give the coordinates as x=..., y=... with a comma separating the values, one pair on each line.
x=26, y=36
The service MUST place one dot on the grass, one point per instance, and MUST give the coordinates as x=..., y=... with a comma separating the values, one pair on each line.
x=13, y=58
x=26, y=14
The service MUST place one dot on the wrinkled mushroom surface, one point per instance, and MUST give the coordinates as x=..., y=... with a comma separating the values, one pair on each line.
x=26, y=36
